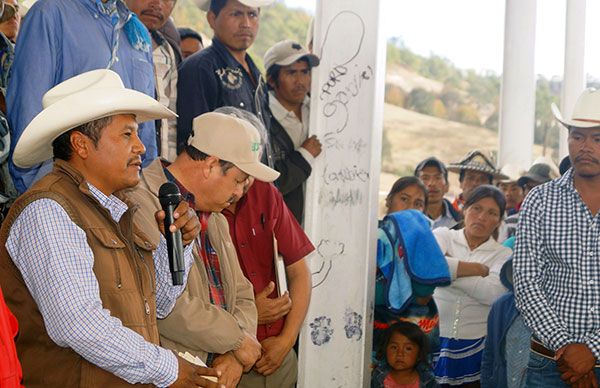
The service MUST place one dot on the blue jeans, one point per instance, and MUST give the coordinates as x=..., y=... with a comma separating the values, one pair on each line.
x=542, y=372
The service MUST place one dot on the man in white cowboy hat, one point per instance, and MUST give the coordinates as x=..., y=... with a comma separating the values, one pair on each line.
x=474, y=170
x=223, y=74
x=60, y=39
x=84, y=280
x=215, y=318
x=288, y=67
x=155, y=14
x=557, y=271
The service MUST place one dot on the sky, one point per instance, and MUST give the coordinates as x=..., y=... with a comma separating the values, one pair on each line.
x=470, y=33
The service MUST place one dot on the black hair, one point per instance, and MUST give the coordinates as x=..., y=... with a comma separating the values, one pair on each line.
x=461, y=175
x=411, y=331
x=61, y=146
x=403, y=183
x=487, y=191
x=565, y=165
x=274, y=71
x=216, y=6
x=197, y=155
x=432, y=162
x=185, y=32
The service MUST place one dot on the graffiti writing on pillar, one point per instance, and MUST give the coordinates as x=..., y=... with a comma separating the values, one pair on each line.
x=327, y=250
x=346, y=78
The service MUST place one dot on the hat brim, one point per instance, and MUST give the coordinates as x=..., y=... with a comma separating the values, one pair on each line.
x=457, y=168
x=572, y=123
x=532, y=177
x=205, y=4
x=259, y=171
x=35, y=144
x=313, y=60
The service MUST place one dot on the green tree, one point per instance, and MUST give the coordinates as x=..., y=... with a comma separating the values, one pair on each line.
x=420, y=100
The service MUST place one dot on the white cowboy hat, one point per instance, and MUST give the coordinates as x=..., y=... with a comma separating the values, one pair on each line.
x=586, y=113
x=86, y=97
x=205, y=4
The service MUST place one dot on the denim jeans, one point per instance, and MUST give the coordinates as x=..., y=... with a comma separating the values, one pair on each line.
x=543, y=373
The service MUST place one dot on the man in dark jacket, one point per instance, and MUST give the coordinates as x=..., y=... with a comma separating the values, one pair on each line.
x=506, y=349
x=288, y=67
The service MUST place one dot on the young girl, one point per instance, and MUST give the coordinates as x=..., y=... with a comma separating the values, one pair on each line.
x=402, y=357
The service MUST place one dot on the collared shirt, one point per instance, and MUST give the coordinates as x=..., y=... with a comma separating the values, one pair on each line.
x=213, y=78
x=557, y=271
x=58, y=40
x=259, y=215
x=297, y=130
x=56, y=262
x=446, y=219
x=465, y=304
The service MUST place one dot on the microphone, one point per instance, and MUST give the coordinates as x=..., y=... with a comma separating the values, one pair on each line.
x=169, y=197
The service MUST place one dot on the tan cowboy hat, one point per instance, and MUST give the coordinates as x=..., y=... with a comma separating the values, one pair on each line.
x=477, y=161
x=86, y=97
x=586, y=113
x=205, y=4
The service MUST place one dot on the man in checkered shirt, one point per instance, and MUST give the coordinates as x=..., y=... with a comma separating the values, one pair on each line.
x=556, y=259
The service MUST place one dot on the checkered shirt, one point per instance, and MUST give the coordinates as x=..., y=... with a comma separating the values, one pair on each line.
x=56, y=262
x=557, y=266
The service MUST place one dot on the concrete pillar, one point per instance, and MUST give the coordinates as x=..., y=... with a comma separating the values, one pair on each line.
x=517, y=94
x=574, y=76
x=342, y=193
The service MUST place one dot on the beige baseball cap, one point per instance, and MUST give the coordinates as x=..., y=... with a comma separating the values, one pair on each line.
x=286, y=52
x=205, y=4
x=233, y=140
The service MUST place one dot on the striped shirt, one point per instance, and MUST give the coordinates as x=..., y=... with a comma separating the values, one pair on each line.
x=557, y=266
x=56, y=262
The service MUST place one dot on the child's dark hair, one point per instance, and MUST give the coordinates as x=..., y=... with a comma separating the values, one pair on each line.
x=410, y=331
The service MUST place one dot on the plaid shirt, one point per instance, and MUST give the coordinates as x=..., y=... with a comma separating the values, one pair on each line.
x=56, y=262
x=557, y=266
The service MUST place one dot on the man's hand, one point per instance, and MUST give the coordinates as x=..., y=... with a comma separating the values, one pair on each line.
x=588, y=380
x=575, y=362
x=248, y=352
x=270, y=310
x=190, y=375
x=185, y=219
x=230, y=368
x=274, y=351
x=312, y=145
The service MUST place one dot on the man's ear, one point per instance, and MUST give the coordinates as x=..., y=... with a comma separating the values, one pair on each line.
x=80, y=144
x=211, y=166
x=211, y=17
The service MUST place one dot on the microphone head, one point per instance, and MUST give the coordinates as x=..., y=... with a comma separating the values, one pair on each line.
x=169, y=194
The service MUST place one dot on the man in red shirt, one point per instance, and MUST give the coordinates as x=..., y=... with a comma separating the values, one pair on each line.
x=253, y=221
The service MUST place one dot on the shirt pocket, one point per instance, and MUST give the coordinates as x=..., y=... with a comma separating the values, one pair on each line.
x=110, y=260
x=142, y=78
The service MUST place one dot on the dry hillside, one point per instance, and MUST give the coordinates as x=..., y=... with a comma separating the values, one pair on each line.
x=414, y=136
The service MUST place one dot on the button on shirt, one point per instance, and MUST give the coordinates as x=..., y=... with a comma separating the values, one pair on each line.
x=213, y=78
x=58, y=40
x=557, y=266
x=56, y=262
x=297, y=130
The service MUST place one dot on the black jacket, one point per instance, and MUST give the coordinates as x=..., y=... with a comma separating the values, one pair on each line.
x=294, y=169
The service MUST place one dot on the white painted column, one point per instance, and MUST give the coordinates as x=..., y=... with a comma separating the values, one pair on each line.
x=574, y=76
x=342, y=193
x=517, y=94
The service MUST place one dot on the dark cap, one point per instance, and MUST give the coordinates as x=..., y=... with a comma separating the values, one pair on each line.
x=432, y=162
x=539, y=173
x=565, y=165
